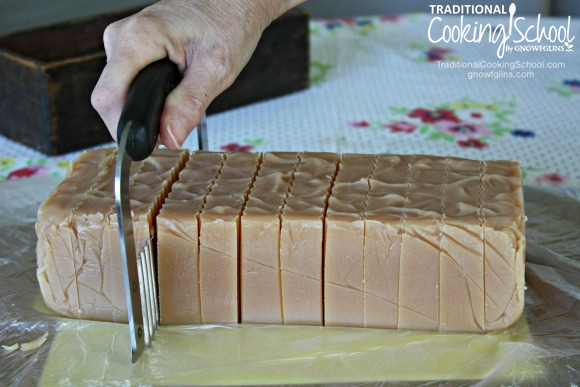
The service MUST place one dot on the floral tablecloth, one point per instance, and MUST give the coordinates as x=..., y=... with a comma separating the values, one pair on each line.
x=380, y=86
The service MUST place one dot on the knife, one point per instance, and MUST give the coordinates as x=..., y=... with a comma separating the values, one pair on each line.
x=137, y=134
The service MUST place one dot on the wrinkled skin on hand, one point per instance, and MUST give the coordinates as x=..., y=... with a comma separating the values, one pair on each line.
x=209, y=40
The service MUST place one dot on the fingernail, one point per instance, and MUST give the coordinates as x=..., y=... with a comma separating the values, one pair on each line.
x=176, y=129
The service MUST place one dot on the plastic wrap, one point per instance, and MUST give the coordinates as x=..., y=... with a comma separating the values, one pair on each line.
x=37, y=347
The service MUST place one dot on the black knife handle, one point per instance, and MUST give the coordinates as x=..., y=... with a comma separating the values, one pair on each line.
x=144, y=106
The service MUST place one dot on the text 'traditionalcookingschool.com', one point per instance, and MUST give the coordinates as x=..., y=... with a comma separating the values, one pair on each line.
x=500, y=69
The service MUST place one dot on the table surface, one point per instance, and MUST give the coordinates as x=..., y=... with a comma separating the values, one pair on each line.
x=380, y=86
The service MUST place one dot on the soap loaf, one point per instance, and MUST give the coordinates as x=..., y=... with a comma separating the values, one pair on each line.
x=380, y=241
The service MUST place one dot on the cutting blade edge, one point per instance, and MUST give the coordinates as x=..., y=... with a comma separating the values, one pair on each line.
x=128, y=251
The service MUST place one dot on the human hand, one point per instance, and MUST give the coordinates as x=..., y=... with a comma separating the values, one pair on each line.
x=210, y=41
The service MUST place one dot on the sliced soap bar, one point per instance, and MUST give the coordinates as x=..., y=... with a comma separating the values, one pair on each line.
x=383, y=239
x=219, y=238
x=177, y=240
x=344, y=242
x=503, y=231
x=420, y=246
x=147, y=190
x=461, y=293
x=302, y=239
x=260, y=290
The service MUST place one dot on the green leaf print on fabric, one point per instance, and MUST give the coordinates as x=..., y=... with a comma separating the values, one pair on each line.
x=318, y=72
x=6, y=162
x=254, y=142
x=566, y=88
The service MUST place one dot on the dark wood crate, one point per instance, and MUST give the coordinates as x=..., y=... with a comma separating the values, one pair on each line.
x=47, y=76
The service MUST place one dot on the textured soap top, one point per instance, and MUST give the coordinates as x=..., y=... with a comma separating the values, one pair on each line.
x=473, y=190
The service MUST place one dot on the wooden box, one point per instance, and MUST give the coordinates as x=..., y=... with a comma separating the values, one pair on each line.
x=47, y=76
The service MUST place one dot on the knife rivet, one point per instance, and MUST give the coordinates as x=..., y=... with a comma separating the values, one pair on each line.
x=140, y=332
x=134, y=287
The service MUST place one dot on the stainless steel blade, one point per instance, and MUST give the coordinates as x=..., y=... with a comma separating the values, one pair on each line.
x=202, y=140
x=148, y=250
x=131, y=264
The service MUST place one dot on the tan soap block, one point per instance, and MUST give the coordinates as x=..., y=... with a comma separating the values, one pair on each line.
x=344, y=270
x=260, y=288
x=240, y=165
x=219, y=267
x=157, y=175
x=504, y=277
x=301, y=251
x=219, y=238
x=419, y=277
x=302, y=239
x=389, y=203
x=502, y=195
x=178, y=263
x=504, y=244
x=383, y=239
x=178, y=240
x=463, y=188
x=420, y=247
x=428, y=170
x=461, y=259
x=56, y=271
x=312, y=189
x=203, y=160
x=352, y=179
x=302, y=297
x=461, y=278
x=346, y=203
x=317, y=161
x=382, y=252
x=96, y=225
x=151, y=185
x=93, y=266
x=56, y=239
x=391, y=169
x=344, y=242
x=261, y=299
x=316, y=169
x=355, y=168
x=148, y=187
x=80, y=177
x=278, y=162
x=273, y=182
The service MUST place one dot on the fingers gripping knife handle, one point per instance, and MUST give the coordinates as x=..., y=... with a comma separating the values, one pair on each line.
x=137, y=132
x=144, y=106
